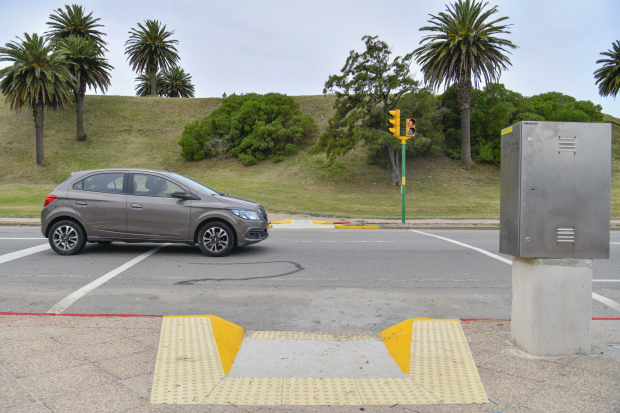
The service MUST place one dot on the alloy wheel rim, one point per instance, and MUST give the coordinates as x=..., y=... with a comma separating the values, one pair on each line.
x=215, y=239
x=65, y=237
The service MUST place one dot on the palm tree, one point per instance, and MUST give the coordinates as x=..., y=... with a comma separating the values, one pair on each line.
x=608, y=76
x=143, y=88
x=463, y=44
x=74, y=21
x=149, y=49
x=38, y=77
x=89, y=69
x=177, y=83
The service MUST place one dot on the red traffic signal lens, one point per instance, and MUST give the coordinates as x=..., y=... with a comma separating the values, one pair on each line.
x=411, y=122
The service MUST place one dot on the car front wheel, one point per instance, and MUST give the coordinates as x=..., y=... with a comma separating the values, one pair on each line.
x=67, y=238
x=216, y=239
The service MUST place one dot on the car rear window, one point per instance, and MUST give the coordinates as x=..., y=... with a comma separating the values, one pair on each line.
x=110, y=183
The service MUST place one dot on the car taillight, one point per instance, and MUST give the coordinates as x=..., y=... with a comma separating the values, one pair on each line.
x=49, y=199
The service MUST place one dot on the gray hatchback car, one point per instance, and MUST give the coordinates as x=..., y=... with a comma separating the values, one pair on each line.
x=140, y=205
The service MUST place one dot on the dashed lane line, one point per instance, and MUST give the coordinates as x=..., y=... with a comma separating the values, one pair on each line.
x=23, y=253
x=597, y=297
x=39, y=238
x=70, y=299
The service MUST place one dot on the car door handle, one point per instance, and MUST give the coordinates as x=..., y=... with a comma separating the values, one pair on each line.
x=137, y=206
x=80, y=202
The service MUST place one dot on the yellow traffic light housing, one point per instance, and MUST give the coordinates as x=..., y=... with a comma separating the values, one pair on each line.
x=396, y=122
x=410, y=128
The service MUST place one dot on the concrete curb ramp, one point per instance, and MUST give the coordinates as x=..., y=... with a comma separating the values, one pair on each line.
x=310, y=224
x=207, y=360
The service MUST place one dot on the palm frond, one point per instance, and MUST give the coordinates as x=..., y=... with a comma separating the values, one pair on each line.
x=38, y=73
x=150, y=48
x=464, y=41
x=608, y=76
x=74, y=21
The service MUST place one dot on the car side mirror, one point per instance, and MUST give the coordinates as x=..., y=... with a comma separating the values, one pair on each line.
x=179, y=193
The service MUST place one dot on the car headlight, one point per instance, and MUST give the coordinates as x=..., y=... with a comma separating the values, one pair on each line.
x=241, y=213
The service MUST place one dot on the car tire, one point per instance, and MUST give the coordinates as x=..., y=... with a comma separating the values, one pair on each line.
x=216, y=239
x=67, y=238
x=104, y=242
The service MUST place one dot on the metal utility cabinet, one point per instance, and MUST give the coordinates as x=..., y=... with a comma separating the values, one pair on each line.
x=555, y=190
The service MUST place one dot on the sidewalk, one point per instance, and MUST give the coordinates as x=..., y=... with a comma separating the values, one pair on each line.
x=106, y=364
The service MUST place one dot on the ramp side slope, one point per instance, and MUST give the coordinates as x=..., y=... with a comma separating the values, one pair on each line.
x=204, y=359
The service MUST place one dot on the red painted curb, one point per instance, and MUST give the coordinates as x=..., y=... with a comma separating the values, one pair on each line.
x=83, y=315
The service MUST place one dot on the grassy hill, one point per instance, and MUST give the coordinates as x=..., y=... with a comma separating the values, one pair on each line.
x=144, y=132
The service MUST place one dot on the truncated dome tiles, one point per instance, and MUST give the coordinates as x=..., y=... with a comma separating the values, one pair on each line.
x=196, y=353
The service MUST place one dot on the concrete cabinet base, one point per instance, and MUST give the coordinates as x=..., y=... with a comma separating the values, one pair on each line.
x=552, y=305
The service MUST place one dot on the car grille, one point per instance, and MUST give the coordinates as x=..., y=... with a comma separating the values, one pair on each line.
x=263, y=213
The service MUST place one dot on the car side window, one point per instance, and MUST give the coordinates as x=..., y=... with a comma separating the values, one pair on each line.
x=110, y=182
x=151, y=185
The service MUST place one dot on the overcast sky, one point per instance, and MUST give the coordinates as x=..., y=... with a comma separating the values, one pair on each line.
x=292, y=46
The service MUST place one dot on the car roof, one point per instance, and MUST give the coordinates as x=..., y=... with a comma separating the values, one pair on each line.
x=123, y=170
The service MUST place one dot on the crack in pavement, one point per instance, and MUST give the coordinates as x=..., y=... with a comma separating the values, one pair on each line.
x=298, y=268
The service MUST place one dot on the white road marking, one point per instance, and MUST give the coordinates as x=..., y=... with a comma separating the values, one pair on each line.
x=615, y=243
x=23, y=253
x=70, y=299
x=345, y=241
x=597, y=297
x=609, y=303
x=606, y=281
x=485, y=252
x=39, y=238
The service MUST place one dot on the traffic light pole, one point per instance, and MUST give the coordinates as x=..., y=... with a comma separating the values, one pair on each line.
x=404, y=145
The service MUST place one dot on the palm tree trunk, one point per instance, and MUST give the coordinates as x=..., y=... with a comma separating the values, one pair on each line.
x=79, y=109
x=153, y=80
x=465, y=103
x=395, y=171
x=37, y=112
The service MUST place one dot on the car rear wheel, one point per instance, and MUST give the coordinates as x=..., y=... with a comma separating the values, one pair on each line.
x=67, y=238
x=216, y=239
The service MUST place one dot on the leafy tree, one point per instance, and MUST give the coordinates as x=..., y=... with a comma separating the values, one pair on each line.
x=143, y=88
x=89, y=68
x=38, y=78
x=608, y=76
x=150, y=48
x=177, y=83
x=254, y=127
x=496, y=107
x=369, y=87
x=463, y=45
x=74, y=21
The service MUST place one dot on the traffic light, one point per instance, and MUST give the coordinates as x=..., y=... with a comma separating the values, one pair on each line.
x=410, y=127
x=396, y=122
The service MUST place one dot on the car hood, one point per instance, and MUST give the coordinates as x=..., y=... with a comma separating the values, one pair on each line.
x=237, y=202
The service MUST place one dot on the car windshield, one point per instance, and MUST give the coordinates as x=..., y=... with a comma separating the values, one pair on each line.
x=195, y=184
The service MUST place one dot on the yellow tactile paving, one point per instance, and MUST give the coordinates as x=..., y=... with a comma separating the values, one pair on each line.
x=189, y=368
x=304, y=391
x=442, y=363
x=188, y=365
x=304, y=335
x=393, y=391
x=247, y=391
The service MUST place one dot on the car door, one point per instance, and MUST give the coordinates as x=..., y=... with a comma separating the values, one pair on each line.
x=101, y=201
x=152, y=213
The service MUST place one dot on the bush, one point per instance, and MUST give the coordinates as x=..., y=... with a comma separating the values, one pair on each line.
x=251, y=127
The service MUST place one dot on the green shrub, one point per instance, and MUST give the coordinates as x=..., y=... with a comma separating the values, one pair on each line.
x=251, y=127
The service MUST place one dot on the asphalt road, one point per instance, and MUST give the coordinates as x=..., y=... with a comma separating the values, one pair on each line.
x=318, y=279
